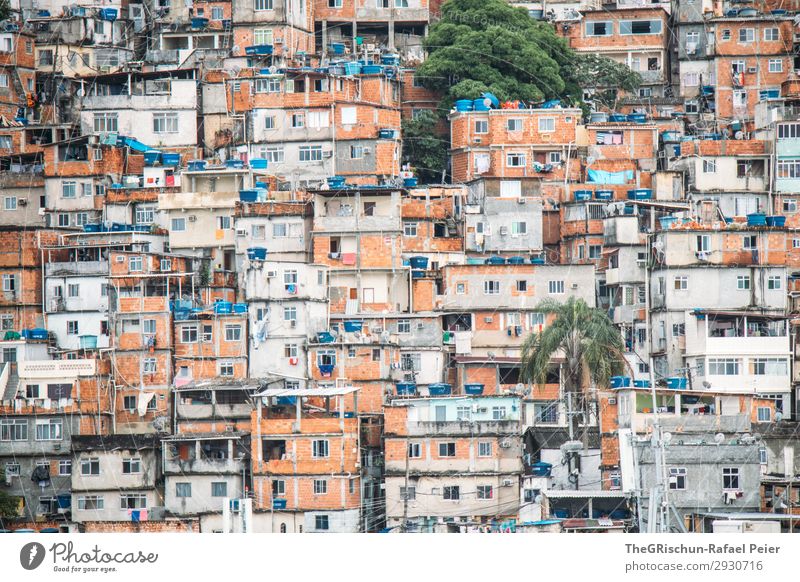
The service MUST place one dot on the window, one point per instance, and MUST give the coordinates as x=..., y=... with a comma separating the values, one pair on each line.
x=262, y=36
x=681, y=283
x=14, y=429
x=410, y=229
x=463, y=413
x=485, y=492
x=762, y=456
x=514, y=124
x=595, y=251
x=178, y=224
x=320, y=449
x=106, y=122
x=65, y=467
x=447, y=449
x=145, y=214
x=135, y=264
x=499, y=412
x=481, y=126
x=224, y=222
x=522, y=286
x=183, y=489
x=90, y=502
x=226, y=368
x=703, y=243
x=133, y=501
x=774, y=282
x=90, y=466
x=131, y=466
x=268, y=85
x=219, y=489
x=747, y=35
x=408, y=493
x=789, y=168
x=491, y=287
x=764, y=414
x=356, y=152
x=677, y=478
x=189, y=334
x=723, y=367
x=519, y=228
x=310, y=153
x=769, y=367
x=515, y=160
x=790, y=205
x=290, y=350
x=461, y=288
x=730, y=478
x=129, y=403
x=545, y=412
x=216, y=13
x=149, y=366
x=320, y=486
x=750, y=242
x=640, y=27
x=278, y=487
x=414, y=450
x=49, y=429
x=72, y=328
x=772, y=34
x=678, y=329
x=233, y=333
x=599, y=28
x=9, y=283
x=709, y=166
x=411, y=362
x=68, y=189
x=485, y=449
x=10, y=203
x=403, y=326
x=165, y=123
x=321, y=522
x=555, y=287
x=547, y=124
x=452, y=492
x=743, y=282
x=776, y=65
x=262, y=4
x=273, y=154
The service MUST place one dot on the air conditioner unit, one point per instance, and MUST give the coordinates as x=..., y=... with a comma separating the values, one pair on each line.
x=241, y=232
x=574, y=285
x=327, y=154
x=366, y=150
x=505, y=444
x=271, y=274
x=503, y=230
x=507, y=482
x=752, y=69
x=522, y=200
x=192, y=218
x=120, y=259
x=22, y=201
x=478, y=140
x=293, y=323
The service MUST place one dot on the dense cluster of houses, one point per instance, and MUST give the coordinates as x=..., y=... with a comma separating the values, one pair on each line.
x=227, y=306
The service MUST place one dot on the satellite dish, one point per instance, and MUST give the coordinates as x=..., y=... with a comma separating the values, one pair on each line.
x=667, y=437
x=719, y=437
x=706, y=384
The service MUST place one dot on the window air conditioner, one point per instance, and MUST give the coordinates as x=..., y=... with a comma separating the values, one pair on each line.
x=192, y=218
x=271, y=274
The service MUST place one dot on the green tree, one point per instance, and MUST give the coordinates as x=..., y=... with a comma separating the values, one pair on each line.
x=489, y=45
x=603, y=75
x=5, y=10
x=9, y=506
x=587, y=339
x=423, y=148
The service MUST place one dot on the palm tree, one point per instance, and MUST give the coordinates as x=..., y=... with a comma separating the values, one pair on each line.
x=588, y=340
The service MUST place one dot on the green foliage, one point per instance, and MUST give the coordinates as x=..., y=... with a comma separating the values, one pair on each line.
x=585, y=336
x=9, y=505
x=488, y=45
x=604, y=75
x=5, y=10
x=423, y=148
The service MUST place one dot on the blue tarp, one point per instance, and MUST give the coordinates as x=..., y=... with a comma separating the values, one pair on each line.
x=603, y=177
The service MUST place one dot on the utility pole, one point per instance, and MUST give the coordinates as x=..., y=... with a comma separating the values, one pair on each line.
x=404, y=525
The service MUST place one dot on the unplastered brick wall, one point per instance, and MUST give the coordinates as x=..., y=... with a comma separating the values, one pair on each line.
x=185, y=525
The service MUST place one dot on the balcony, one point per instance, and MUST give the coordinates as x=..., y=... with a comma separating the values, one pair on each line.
x=464, y=428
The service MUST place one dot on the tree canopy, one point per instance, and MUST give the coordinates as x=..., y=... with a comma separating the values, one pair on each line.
x=423, y=148
x=590, y=343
